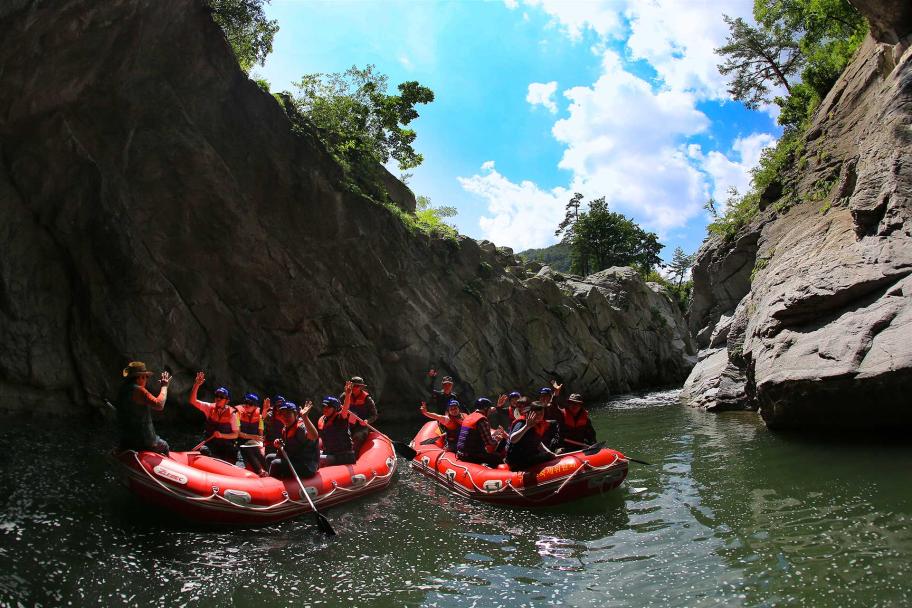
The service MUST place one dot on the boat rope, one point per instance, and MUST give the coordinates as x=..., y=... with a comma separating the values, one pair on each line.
x=216, y=496
x=508, y=483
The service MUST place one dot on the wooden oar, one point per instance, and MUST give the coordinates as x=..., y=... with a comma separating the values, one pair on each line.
x=600, y=445
x=322, y=523
x=402, y=449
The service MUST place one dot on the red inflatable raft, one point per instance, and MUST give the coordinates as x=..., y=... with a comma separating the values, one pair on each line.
x=210, y=490
x=566, y=478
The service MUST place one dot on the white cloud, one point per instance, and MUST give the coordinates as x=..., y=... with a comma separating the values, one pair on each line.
x=543, y=94
x=726, y=172
x=622, y=141
x=626, y=137
x=511, y=4
x=575, y=16
x=520, y=215
x=678, y=40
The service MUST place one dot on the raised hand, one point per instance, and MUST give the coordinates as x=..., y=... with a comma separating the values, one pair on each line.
x=348, y=387
x=501, y=400
x=307, y=407
x=165, y=378
x=557, y=387
x=267, y=405
x=200, y=378
x=423, y=407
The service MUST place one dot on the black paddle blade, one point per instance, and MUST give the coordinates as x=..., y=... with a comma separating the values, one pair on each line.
x=324, y=525
x=404, y=451
x=430, y=441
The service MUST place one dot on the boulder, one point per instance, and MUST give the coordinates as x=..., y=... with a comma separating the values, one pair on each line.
x=809, y=322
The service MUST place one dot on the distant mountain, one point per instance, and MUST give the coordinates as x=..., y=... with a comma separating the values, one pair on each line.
x=556, y=256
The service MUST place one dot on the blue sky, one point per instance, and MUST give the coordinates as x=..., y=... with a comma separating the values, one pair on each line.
x=537, y=99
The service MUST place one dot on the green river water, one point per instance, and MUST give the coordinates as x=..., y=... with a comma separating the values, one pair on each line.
x=729, y=515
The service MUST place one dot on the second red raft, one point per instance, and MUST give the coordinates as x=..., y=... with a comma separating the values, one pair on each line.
x=567, y=478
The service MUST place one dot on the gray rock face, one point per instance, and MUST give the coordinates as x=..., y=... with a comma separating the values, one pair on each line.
x=821, y=336
x=157, y=205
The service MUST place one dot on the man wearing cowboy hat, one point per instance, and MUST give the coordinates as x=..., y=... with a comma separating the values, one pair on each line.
x=440, y=399
x=134, y=409
x=363, y=406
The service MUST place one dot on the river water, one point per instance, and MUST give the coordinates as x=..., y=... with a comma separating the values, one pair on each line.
x=729, y=514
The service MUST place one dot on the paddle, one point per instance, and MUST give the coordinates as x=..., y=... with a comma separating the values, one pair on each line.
x=402, y=449
x=322, y=523
x=600, y=445
x=203, y=442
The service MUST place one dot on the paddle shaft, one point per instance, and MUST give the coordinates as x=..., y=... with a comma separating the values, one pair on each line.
x=321, y=519
x=203, y=442
x=403, y=450
x=595, y=444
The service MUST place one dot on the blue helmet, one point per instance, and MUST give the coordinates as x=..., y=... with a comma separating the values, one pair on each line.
x=545, y=391
x=331, y=402
x=223, y=392
x=287, y=405
x=514, y=395
x=483, y=403
x=278, y=400
x=252, y=398
x=453, y=403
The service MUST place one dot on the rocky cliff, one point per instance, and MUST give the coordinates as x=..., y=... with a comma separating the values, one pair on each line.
x=157, y=205
x=806, y=315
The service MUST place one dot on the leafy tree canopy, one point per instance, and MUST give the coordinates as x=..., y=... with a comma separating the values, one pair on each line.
x=802, y=45
x=248, y=31
x=356, y=117
x=600, y=238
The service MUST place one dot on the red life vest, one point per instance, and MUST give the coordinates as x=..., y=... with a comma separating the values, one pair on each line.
x=578, y=421
x=336, y=434
x=470, y=442
x=249, y=420
x=357, y=405
x=576, y=428
x=219, y=419
x=451, y=428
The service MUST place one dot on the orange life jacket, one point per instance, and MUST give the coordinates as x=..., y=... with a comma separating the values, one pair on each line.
x=249, y=420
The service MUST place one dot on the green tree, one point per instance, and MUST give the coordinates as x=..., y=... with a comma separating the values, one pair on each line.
x=430, y=218
x=802, y=45
x=248, y=31
x=758, y=57
x=600, y=238
x=680, y=264
x=356, y=117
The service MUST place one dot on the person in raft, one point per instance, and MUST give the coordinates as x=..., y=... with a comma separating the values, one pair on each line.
x=499, y=415
x=222, y=423
x=272, y=426
x=574, y=426
x=135, y=405
x=476, y=441
x=250, y=431
x=528, y=444
x=300, y=440
x=335, y=429
x=450, y=423
x=440, y=400
x=362, y=406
